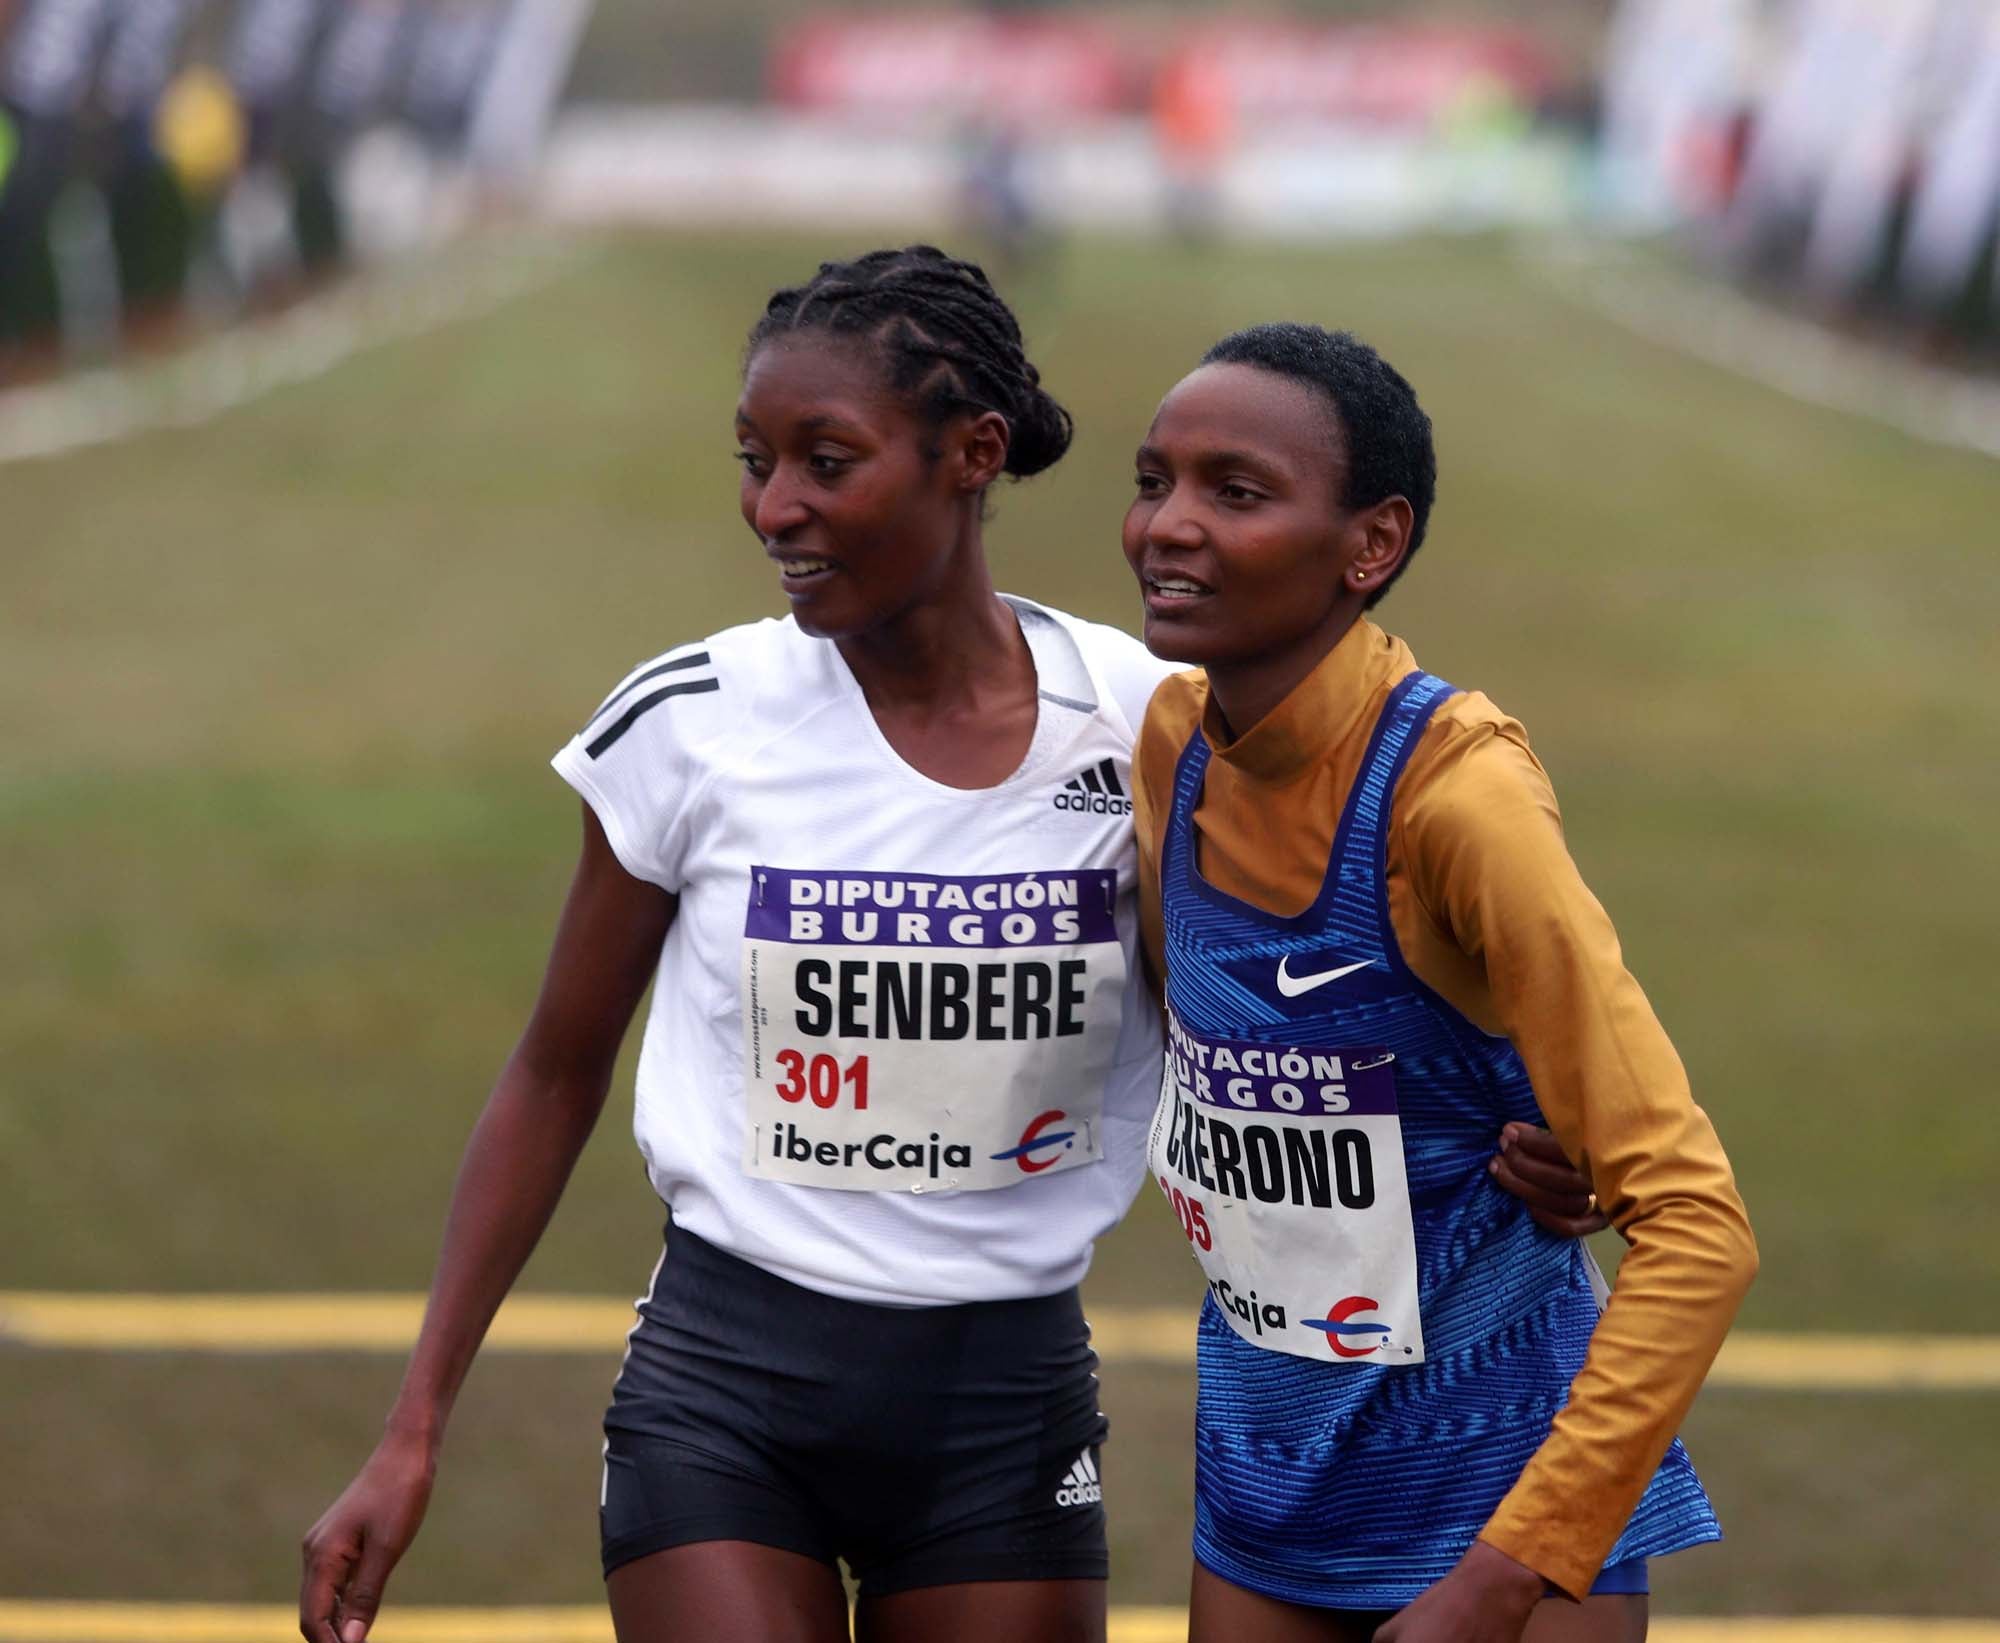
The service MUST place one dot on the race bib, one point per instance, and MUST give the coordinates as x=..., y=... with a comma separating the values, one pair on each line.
x=910, y=1032
x=1285, y=1169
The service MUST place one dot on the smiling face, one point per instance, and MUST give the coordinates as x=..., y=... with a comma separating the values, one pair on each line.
x=1237, y=535
x=1248, y=561
x=866, y=510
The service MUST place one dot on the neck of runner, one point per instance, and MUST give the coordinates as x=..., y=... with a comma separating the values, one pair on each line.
x=1313, y=714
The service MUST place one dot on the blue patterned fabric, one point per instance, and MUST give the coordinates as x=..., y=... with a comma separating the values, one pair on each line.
x=1359, y=1485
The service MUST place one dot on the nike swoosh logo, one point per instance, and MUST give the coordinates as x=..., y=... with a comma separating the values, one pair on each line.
x=1292, y=986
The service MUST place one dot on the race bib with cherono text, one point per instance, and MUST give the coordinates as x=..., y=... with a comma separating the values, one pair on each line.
x=912, y=1032
x=1284, y=1167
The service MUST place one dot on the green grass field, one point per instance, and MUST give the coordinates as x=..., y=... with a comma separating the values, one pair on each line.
x=279, y=852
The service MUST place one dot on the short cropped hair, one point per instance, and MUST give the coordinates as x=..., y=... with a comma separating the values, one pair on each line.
x=1383, y=435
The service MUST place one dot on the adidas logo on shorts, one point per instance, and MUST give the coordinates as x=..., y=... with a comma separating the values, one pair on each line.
x=1095, y=791
x=1079, y=1485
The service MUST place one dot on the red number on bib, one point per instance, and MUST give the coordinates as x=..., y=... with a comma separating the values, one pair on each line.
x=821, y=1078
x=1194, y=1224
x=1201, y=1235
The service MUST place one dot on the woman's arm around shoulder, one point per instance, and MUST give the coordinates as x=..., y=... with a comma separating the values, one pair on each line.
x=1488, y=861
x=522, y=1150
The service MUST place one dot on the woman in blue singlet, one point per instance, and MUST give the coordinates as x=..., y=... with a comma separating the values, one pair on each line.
x=1419, y=1419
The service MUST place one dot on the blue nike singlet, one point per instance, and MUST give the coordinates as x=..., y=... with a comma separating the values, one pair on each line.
x=1353, y=1467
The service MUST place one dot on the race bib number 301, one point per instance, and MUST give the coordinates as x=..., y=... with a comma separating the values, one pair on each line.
x=911, y=1032
x=1285, y=1169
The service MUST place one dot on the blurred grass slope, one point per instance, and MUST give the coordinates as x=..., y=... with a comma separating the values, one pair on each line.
x=279, y=851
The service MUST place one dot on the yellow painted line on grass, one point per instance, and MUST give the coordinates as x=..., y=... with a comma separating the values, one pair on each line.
x=295, y=1323
x=582, y=1323
x=273, y=1623
x=1859, y=1363
x=1845, y=1628
x=269, y=1623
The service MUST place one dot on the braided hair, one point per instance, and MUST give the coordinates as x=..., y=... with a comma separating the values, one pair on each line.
x=944, y=337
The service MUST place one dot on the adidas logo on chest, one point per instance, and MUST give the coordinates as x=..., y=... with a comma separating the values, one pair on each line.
x=1095, y=791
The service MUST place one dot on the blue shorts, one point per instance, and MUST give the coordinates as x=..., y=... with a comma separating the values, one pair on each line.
x=1627, y=1579
x=925, y=1446
x=1620, y=1580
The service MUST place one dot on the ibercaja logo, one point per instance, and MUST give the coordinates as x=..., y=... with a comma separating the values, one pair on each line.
x=1040, y=1146
x=1344, y=1324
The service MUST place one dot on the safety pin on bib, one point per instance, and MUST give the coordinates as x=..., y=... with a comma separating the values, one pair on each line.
x=1381, y=1060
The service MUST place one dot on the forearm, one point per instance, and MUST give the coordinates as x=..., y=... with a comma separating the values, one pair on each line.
x=1677, y=1292
x=1622, y=1104
x=513, y=1173
x=520, y=1156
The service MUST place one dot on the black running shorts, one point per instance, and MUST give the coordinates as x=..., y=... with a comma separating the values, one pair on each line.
x=923, y=1445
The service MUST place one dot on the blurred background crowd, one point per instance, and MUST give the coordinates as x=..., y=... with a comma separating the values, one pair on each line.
x=168, y=163
x=162, y=160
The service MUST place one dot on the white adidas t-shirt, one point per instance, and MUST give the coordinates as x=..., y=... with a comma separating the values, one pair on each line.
x=899, y=1049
